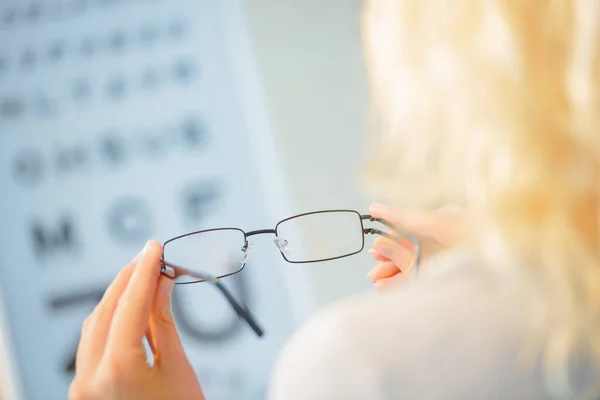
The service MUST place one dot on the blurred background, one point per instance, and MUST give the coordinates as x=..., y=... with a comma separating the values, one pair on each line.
x=124, y=120
x=310, y=61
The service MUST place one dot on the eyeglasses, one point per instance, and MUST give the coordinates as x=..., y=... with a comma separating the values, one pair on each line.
x=211, y=254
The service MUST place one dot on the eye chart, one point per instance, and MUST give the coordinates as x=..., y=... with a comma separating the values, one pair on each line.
x=120, y=121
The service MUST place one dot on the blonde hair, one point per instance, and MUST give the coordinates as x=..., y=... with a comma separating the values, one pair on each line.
x=495, y=105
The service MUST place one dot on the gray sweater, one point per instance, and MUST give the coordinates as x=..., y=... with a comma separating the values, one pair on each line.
x=454, y=332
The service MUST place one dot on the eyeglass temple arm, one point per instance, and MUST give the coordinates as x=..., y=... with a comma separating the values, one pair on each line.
x=242, y=311
x=400, y=234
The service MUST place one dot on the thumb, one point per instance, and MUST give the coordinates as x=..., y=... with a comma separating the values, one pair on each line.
x=444, y=225
x=166, y=343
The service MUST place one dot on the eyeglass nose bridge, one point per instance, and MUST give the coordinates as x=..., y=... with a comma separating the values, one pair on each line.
x=282, y=245
x=247, y=249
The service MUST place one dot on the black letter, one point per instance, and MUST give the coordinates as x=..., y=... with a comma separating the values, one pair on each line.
x=69, y=159
x=112, y=148
x=197, y=201
x=194, y=133
x=61, y=238
x=28, y=167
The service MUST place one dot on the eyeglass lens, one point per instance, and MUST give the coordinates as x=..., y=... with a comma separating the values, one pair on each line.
x=215, y=253
x=327, y=235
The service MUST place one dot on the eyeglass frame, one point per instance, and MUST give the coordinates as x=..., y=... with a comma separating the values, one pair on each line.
x=171, y=270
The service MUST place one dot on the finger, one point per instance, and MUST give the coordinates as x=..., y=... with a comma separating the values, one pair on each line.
x=387, y=283
x=93, y=339
x=407, y=244
x=443, y=225
x=391, y=250
x=377, y=242
x=130, y=323
x=377, y=256
x=166, y=343
x=383, y=270
x=419, y=223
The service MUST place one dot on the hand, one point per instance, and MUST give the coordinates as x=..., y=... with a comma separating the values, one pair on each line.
x=111, y=360
x=435, y=229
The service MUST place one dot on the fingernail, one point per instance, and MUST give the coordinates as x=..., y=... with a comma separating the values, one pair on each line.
x=146, y=247
x=374, y=252
x=370, y=273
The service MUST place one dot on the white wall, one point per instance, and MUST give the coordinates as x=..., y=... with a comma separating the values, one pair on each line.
x=309, y=55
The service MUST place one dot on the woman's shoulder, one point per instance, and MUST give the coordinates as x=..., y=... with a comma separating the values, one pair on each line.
x=455, y=317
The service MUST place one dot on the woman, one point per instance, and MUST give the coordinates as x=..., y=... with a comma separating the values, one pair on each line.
x=490, y=105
